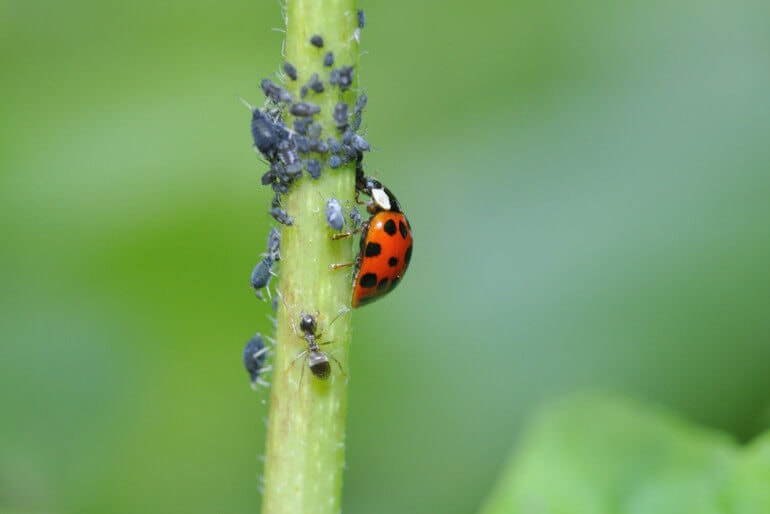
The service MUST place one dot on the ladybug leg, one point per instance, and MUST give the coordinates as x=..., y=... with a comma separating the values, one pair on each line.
x=346, y=234
x=356, y=262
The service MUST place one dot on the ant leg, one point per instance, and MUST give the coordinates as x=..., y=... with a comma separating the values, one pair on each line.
x=298, y=357
x=301, y=376
x=332, y=357
x=288, y=311
x=344, y=310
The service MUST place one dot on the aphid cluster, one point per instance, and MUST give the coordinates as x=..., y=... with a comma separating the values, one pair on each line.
x=298, y=145
x=299, y=148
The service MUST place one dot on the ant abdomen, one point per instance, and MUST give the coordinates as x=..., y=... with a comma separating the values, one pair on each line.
x=319, y=365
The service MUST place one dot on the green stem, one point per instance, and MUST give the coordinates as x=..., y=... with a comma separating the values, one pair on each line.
x=306, y=431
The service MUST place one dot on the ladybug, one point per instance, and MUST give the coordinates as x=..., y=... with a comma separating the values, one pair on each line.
x=386, y=245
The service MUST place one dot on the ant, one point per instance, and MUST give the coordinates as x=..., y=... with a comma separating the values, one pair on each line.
x=317, y=359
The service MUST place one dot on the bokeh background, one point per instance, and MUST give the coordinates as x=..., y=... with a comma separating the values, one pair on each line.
x=588, y=185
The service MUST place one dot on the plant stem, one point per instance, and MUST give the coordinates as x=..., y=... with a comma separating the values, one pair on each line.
x=306, y=431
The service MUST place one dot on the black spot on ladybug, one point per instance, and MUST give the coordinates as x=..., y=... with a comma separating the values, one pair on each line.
x=394, y=283
x=408, y=256
x=373, y=249
x=402, y=229
x=390, y=228
x=368, y=281
x=393, y=262
x=383, y=284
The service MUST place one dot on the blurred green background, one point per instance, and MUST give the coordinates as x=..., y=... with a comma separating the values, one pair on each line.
x=587, y=182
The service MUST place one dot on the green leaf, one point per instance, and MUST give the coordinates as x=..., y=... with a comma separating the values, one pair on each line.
x=595, y=454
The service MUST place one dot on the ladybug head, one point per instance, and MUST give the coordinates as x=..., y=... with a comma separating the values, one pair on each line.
x=382, y=198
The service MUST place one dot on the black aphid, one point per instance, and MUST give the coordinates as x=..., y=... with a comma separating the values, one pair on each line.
x=274, y=244
x=281, y=216
x=275, y=92
x=290, y=70
x=340, y=115
x=304, y=109
x=262, y=274
x=315, y=83
x=345, y=79
x=254, y=356
x=313, y=168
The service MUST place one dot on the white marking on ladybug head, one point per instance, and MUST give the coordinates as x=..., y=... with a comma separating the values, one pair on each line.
x=381, y=199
